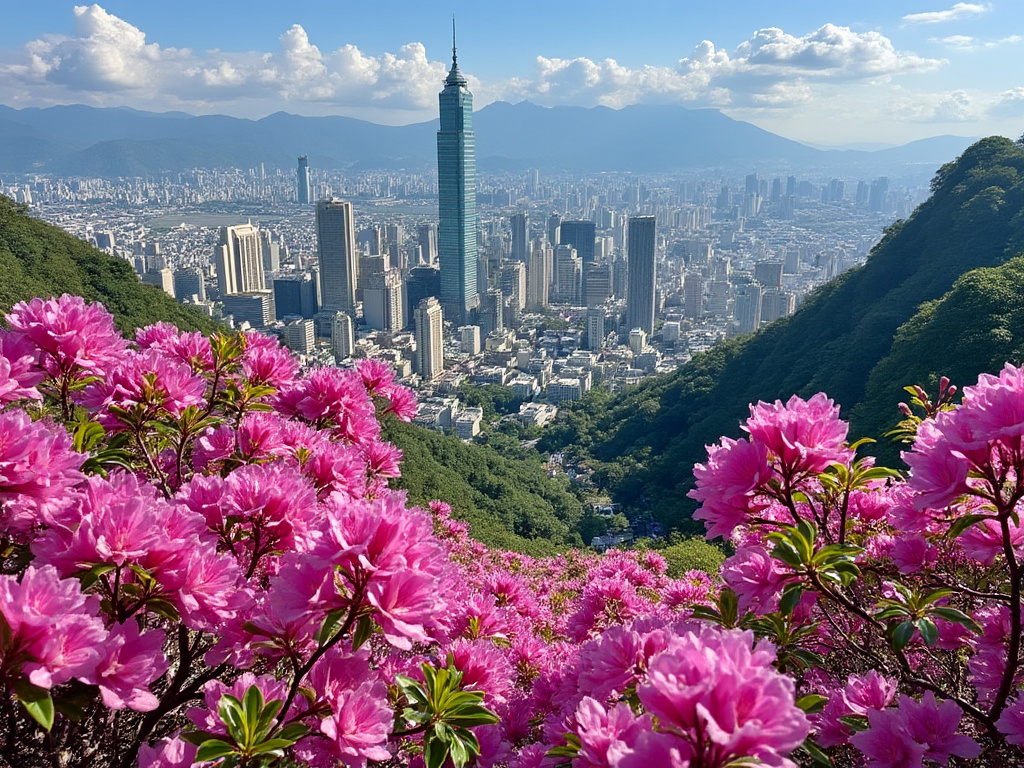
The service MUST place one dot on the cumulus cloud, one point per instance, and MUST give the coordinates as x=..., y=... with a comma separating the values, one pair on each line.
x=771, y=69
x=1009, y=104
x=952, y=107
x=958, y=11
x=107, y=55
x=109, y=61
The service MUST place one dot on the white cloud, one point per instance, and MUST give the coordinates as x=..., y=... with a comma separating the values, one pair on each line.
x=1010, y=104
x=106, y=55
x=958, y=11
x=771, y=69
x=952, y=107
x=968, y=43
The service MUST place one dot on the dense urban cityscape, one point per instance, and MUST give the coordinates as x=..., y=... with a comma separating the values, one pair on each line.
x=546, y=284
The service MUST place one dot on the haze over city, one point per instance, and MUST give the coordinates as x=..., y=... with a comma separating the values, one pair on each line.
x=831, y=74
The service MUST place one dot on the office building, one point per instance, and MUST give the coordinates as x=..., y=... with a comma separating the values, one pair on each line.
x=581, y=236
x=538, y=277
x=421, y=283
x=255, y=308
x=295, y=296
x=469, y=339
x=568, y=273
x=336, y=248
x=597, y=284
x=239, y=260
x=554, y=221
x=769, y=273
x=693, y=296
x=303, y=180
x=343, y=337
x=640, y=280
x=189, y=283
x=595, y=328
x=426, y=236
x=520, y=237
x=382, y=302
x=513, y=284
x=162, y=279
x=456, y=185
x=429, y=339
x=298, y=335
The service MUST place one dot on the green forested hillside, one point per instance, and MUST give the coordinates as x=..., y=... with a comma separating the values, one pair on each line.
x=508, y=503
x=39, y=259
x=644, y=443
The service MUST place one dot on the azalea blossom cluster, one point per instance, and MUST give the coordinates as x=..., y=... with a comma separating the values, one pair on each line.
x=894, y=603
x=204, y=561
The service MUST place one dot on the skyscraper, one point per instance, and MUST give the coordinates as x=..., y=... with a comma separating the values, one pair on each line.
x=581, y=236
x=239, y=260
x=456, y=185
x=640, y=280
x=520, y=237
x=303, y=180
x=336, y=247
x=429, y=339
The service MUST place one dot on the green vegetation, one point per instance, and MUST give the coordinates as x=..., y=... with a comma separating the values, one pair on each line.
x=692, y=555
x=859, y=338
x=508, y=503
x=39, y=259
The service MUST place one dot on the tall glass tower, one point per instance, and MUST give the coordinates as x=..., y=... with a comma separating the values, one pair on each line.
x=303, y=177
x=456, y=183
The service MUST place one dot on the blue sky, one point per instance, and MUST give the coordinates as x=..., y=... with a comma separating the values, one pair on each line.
x=822, y=72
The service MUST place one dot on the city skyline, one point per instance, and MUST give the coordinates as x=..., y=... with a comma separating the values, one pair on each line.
x=824, y=73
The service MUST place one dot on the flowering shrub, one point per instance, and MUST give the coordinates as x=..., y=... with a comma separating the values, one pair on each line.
x=203, y=563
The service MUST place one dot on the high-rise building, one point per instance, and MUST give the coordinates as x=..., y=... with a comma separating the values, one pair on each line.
x=538, y=278
x=597, y=283
x=239, y=260
x=581, y=236
x=513, y=284
x=382, y=302
x=295, y=295
x=255, y=307
x=568, y=274
x=303, y=180
x=343, y=340
x=336, y=247
x=456, y=186
x=554, y=221
x=162, y=279
x=189, y=283
x=299, y=336
x=748, y=308
x=429, y=339
x=595, y=328
x=693, y=296
x=422, y=282
x=426, y=234
x=520, y=237
x=769, y=273
x=640, y=281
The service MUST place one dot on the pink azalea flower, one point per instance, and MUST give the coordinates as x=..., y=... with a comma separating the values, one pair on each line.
x=131, y=661
x=727, y=484
x=886, y=743
x=401, y=402
x=913, y=732
x=605, y=735
x=1011, y=722
x=266, y=362
x=805, y=435
x=484, y=667
x=167, y=753
x=20, y=370
x=756, y=577
x=38, y=467
x=862, y=694
x=726, y=696
x=75, y=338
x=376, y=375
x=55, y=633
x=193, y=349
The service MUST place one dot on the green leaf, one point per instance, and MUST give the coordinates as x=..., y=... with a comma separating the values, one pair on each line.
x=293, y=732
x=929, y=632
x=855, y=723
x=787, y=553
x=252, y=708
x=213, y=749
x=198, y=737
x=902, y=634
x=818, y=756
x=961, y=525
x=811, y=703
x=790, y=598
x=435, y=752
x=364, y=629
x=37, y=702
x=955, y=615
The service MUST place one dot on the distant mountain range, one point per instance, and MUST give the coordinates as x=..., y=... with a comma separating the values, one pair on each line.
x=86, y=141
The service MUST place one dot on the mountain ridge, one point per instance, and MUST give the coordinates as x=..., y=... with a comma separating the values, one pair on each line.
x=83, y=140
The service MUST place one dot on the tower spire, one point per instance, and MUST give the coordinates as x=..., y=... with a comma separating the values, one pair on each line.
x=454, y=76
x=455, y=60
